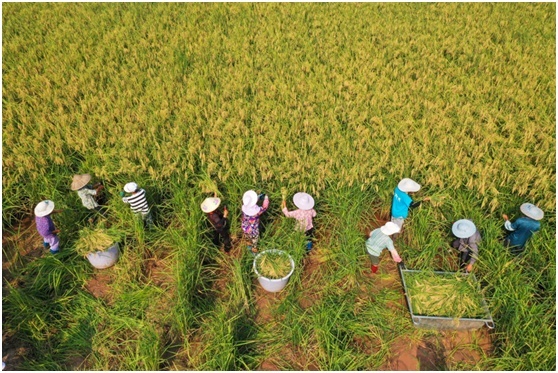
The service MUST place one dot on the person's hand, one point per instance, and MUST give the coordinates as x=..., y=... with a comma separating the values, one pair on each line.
x=283, y=204
x=469, y=267
x=397, y=258
x=426, y=199
x=214, y=194
x=100, y=187
x=57, y=211
x=225, y=212
x=56, y=231
x=505, y=217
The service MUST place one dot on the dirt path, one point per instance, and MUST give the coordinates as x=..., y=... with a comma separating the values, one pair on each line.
x=436, y=351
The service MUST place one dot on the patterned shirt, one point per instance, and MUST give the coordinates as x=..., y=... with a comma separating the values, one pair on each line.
x=45, y=226
x=377, y=242
x=469, y=244
x=522, y=229
x=304, y=218
x=251, y=224
x=137, y=201
x=86, y=194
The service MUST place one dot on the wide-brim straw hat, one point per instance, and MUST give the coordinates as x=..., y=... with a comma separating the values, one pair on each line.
x=463, y=228
x=210, y=204
x=531, y=211
x=303, y=201
x=408, y=185
x=44, y=208
x=79, y=181
x=250, y=210
x=130, y=187
x=390, y=228
x=250, y=198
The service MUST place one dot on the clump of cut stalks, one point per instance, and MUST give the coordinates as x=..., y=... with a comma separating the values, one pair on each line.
x=444, y=295
x=95, y=239
x=273, y=264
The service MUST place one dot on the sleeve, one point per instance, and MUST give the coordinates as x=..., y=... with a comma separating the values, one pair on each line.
x=473, y=246
x=407, y=200
x=510, y=226
x=287, y=213
x=265, y=204
x=390, y=246
x=93, y=192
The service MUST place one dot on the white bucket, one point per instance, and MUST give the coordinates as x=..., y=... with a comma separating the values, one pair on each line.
x=104, y=259
x=273, y=285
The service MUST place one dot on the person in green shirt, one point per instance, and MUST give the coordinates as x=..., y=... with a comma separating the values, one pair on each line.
x=378, y=241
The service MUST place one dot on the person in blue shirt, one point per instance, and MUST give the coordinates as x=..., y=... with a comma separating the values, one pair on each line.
x=522, y=228
x=402, y=201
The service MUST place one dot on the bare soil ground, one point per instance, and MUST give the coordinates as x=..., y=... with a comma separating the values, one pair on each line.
x=439, y=351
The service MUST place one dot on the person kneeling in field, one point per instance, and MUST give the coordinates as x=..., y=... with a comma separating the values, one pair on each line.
x=218, y=221
x=87, y=192
x=522, y=228
x=138, y=202
x=378, y=241
x=303, y=215
x=251, y=213
x=467, y=241
x=402, y=201
x=45, y=225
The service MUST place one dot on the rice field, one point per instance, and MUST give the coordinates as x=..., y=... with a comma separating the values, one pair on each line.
x=339, y=100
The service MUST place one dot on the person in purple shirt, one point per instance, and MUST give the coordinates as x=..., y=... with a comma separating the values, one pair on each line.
x=522, y=228
x=45, y=225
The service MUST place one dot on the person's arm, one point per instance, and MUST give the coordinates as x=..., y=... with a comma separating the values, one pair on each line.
x=393, y=252
x=417, y=203
x=265, y=203
x=508, y=224
x=474, y=248
x=395, y=256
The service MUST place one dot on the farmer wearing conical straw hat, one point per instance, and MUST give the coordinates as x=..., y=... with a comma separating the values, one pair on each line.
x=378, y=241
x=86, y=191
x=218, y=221
x=303, y=215
x=522, y=228
x=468, y=238
x=251, y=213
x=402, y=201
x=45, y=225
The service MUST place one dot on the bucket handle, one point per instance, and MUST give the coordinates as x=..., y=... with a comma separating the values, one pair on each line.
x=490, y=324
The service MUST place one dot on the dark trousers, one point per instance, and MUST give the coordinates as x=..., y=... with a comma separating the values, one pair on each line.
x=464, y=258
x=225, y=235
x=309, y=238
x=514, y=250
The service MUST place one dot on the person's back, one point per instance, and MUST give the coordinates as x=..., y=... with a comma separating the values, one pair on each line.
x=524, y=228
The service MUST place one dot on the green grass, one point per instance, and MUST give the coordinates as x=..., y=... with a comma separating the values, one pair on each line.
x=339, y=100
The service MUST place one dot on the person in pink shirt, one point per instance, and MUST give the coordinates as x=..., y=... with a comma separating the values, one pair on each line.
x=303, y=215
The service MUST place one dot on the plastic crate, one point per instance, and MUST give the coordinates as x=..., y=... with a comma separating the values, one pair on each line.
x=444, y=322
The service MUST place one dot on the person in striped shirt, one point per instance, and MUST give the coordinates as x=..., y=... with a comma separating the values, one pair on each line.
x=138, y=202
x=378, y=241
